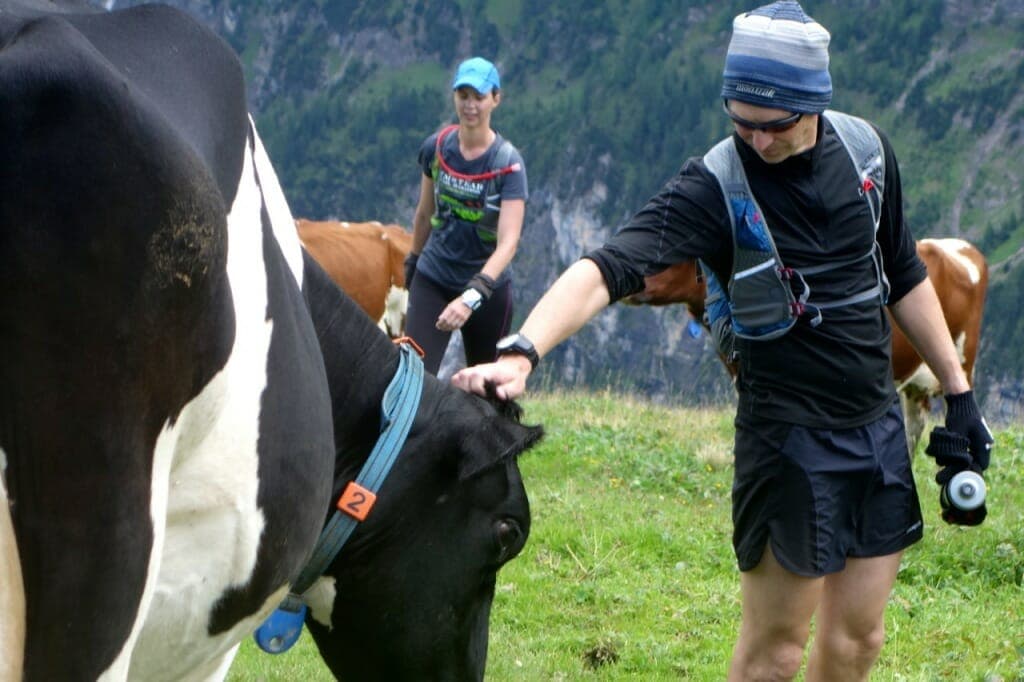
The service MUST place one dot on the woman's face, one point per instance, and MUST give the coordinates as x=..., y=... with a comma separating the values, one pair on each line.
x=474, y=109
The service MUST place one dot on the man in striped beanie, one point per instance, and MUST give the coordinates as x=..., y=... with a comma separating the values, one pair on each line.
x=799, y=213
x=778, y=59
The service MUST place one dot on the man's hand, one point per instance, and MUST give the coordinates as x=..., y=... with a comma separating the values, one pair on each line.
x=951, y=451
x=508, y=375
x=964, y=417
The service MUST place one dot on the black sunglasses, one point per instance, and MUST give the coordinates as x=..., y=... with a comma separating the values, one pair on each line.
x=779, y=125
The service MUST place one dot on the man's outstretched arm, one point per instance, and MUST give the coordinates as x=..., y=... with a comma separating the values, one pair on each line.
x=575, y=297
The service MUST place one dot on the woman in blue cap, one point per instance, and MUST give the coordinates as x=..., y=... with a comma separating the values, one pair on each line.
x=466, y=227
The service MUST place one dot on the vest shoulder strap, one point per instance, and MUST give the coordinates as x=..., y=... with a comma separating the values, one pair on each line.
x=502, y=164
x=862, y=143
x=502, y=157
x=760, y=302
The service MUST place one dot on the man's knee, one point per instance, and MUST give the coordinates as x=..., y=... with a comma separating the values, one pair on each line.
x=858, y=647
x=769, y=657
x=779, y=663
x=866, y=645
x=788, y=658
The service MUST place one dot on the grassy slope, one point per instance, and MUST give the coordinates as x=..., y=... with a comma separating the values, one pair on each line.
x=629, y=573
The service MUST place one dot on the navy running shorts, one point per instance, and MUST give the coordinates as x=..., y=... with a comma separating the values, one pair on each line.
x=822, y=495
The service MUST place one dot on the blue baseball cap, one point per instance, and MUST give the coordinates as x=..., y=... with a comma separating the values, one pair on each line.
x=477, y=73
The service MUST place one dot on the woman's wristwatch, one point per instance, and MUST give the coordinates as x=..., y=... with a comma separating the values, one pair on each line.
x=517, y=344
x=479, y=289
x=472, y=298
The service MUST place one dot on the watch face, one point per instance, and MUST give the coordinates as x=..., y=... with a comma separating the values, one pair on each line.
x=472, y=298
x=507, y=342
x=517, y=343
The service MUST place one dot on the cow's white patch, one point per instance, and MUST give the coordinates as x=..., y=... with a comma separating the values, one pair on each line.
x=956, y=249
x=395, y=306
x=915, y=398
x=320, y=600
x=922, y=379
x=218, y=670
x=205, y=483
x=961, y=345
x=277, y=206
x=12, y=591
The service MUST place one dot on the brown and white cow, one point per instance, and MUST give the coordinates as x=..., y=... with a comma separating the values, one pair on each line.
x=367, y=261
x=958, y=272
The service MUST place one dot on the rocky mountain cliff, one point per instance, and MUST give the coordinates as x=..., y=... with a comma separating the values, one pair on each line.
x=605, y=100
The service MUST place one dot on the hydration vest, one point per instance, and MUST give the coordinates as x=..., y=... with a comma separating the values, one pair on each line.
x=759, y=303
x=469, y=197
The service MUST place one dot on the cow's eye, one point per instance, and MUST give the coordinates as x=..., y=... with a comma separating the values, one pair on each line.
x=510, y=538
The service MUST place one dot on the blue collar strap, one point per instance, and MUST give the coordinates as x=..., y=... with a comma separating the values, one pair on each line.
x=398, y=410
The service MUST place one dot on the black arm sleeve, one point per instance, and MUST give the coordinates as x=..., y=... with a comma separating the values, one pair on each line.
x=686, y=219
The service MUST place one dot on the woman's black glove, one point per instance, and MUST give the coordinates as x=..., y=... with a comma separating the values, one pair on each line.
x=964, y=417
x=410, y=268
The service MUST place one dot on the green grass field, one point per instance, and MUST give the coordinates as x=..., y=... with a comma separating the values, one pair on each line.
x=629, y=572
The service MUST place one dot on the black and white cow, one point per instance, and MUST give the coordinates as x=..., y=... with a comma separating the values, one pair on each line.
x=184, y=393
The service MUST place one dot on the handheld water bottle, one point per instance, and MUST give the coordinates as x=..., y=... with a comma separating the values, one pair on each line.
x=962, y=499
x=965, y=491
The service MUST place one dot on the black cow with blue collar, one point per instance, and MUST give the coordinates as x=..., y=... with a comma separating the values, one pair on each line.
x=184, y=394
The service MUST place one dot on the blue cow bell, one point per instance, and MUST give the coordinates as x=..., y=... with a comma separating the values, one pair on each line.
x=281, y=629
x=694, y=329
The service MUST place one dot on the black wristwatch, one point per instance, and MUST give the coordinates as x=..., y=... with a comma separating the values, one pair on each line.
x=519, y=345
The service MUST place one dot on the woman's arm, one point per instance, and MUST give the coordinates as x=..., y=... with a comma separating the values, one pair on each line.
x=510, y=227
x=421, y=218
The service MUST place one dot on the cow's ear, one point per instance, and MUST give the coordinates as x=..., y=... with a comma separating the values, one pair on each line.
x=494, y=439
x=509, y=409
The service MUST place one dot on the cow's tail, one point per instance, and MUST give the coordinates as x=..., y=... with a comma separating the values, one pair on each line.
x=12, y=596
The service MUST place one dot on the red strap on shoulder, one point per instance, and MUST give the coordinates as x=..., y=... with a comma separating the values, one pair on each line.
x=478, y=177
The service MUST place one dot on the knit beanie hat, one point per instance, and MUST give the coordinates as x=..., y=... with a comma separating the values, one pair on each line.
x=778, y=58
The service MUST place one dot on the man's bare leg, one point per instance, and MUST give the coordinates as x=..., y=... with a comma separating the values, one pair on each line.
x=850, y=624
x=777, y=610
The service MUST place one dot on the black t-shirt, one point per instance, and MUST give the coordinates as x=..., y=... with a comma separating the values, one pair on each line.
x=460, y=244
x=835, y=375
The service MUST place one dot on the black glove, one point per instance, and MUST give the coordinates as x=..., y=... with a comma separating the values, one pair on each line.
x=410, y=268
x=964, y=417
x=951, y=452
